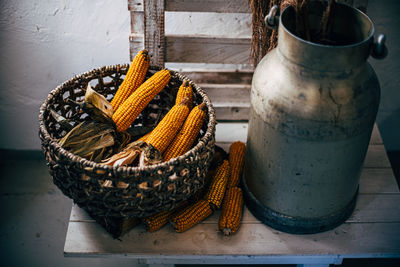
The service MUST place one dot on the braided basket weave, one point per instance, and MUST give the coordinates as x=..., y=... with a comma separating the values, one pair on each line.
x=152, y=188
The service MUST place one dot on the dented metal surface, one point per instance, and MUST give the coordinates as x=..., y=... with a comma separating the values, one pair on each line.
x=312, y=112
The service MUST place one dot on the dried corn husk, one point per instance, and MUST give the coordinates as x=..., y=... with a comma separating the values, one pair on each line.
x=93, y=140
x=127, y=156
x=98, y=101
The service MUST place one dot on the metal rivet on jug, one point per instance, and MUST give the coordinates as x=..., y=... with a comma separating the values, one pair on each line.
x=313, y=108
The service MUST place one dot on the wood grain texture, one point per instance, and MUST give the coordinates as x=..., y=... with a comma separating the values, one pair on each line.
x=136, y=43
x=349, y=239
x=135, y=5
x=154, y=19
x=220, y=6
x=220, y=76
x=228, y=94
x=137, y=22
x=231, y=113
x=205, y=49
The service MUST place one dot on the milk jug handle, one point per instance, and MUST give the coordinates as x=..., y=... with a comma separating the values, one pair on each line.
x=272, y=19
x=379, y=49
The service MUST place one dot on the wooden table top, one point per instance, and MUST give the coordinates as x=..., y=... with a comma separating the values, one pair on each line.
x=373, y=230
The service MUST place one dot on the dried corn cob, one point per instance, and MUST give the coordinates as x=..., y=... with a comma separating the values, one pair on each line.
x=185, y=90
x=216, y=191
x=144, y=137
x=232, y=210
x=184, y=140
x=191, y=216
x=156, y=221
x=133, y=79
x=237, y=152
x=168, y=127
x=127, y=113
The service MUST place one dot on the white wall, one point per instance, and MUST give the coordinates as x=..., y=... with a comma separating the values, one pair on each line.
x=44, y=43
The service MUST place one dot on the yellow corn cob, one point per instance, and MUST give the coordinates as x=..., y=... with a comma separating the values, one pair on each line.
x=184, y=140
x=156, y=221
x=133, y=79
x=237, y=153
x=190, y=216
x=185, y=90
x=161, y=136
x=144, y=137
x=127, y=113
x=232, y=210
x=216, y=191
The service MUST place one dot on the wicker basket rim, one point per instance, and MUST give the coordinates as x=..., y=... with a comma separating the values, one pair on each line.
x=54, y=143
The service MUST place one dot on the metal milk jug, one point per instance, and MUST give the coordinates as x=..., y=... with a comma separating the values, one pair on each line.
x=313, y=108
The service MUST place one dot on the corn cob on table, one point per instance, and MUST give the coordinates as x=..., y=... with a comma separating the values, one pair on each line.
x=372, y=231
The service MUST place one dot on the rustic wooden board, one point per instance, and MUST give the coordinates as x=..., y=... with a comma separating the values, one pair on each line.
x=349, y=239
x=135, y=5
x=221, y=6
x=137, y=22
x=232, y=113
x=228, y=94
x=154, y=18
x=194, y=49
x=218, y=76
x=206, y=49
x=378, y=180
x=136, y=43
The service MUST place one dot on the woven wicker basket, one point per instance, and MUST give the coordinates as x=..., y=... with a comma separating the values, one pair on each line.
x=152, y=188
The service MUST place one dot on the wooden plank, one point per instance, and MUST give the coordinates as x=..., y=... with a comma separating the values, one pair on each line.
x=135, y=5
x=228, y=94
x=376, y=138
x=376, y=157
x=220, y=77
x=136, y=43
x=231, y=113
x=378, y=180
x=206, y=49
x=221, y=6
x=349, y=239
x=137, y=22
x=154, y=19
x=190, y=49
x=376, y=208
x=229, y=132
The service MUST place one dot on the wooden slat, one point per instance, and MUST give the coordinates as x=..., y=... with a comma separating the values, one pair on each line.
x=220, y=77
x=376, y=138
x=221, y=6
x=205, y=49
x=154, y=18
x=137, y=22
x=376, y=208
x=379, y=180
x=376, y=157
x=228, y=94
x=231, y=113
x=135, y=5
x=356, y=239
x=136, y=43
